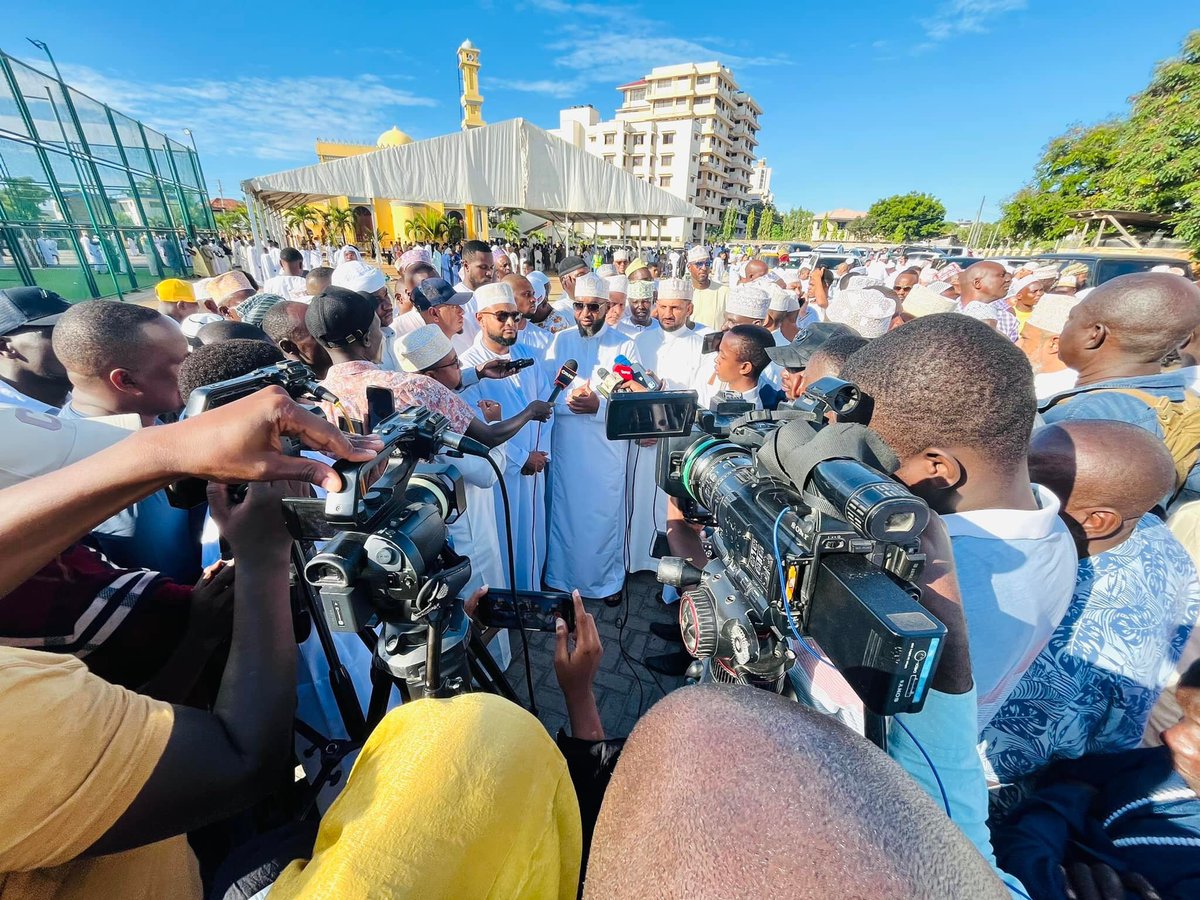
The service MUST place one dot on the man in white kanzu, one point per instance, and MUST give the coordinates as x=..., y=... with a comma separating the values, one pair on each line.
x=672, y=352
x=477, y=270
x=587, y=488
x=528, y=451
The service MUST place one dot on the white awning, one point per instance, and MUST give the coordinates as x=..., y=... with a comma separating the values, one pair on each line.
x=511, y=164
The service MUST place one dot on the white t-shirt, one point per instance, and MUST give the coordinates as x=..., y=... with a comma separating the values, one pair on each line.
x=1047, y=384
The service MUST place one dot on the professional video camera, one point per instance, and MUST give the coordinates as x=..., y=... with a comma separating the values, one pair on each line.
x=811, y=539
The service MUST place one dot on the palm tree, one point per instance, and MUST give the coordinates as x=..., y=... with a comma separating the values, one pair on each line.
x=427, y=225
x=299, y=216
x=337, y=220
x=232, y=222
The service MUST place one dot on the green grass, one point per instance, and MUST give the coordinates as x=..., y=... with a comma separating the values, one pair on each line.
x=70, y=283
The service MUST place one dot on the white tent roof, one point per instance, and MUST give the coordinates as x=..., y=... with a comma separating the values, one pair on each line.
x=511, y=164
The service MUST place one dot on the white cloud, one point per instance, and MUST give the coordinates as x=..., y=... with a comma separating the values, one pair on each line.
x=261, y=118
x=548, y=86
x=958, y=17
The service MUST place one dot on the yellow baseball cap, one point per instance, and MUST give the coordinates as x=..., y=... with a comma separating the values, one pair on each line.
x=173, y=290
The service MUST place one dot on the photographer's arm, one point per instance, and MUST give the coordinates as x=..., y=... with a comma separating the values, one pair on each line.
x=236, y=443
x=494, y=435
x=217, y=763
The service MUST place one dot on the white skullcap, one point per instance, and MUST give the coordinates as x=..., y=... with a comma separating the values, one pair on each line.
x=356, y=275
x=1020, y=284
x=866, y=311
x=982, y=312
x=1050, y=314
x=1173, y=270
x=782, y=300
x=619, y=255
x=606, y=271
x=939, y=287
x=675, y=289
x=422, y=348
x=698, y=254
x=192, y=324
x=748, y=300
x=495, y=294
x=927, y=275
x=541, y=284
x=591, y=285
x=641, y=290
x=617, y=284
x=200, y=289
x=924, y=301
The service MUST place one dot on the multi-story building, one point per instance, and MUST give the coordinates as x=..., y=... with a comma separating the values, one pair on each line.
x=760, y=183
x=688, y=129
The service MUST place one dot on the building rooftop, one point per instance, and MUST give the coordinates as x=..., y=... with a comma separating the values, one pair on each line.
x=840, y=214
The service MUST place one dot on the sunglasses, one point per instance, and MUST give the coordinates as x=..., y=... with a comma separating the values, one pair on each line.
x=590, y=307
x=445, y=365
x=503, y=317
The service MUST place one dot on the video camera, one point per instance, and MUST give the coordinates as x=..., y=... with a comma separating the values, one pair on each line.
x=811, y=540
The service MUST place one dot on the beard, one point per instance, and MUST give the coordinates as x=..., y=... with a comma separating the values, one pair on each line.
x=503, y=341
x=590, y=330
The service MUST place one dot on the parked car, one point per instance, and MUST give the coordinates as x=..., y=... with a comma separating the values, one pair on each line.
x=1104, y=267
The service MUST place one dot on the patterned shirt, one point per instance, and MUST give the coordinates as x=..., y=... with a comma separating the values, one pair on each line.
x=556, y=321
x=350, y=380
x=1093, y=686
x=1006, y=322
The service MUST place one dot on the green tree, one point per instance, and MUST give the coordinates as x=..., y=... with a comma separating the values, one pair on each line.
x=337, y=219
x=1158, y=155
x=766, y=223
x=796, y=224
x=508, y=227
x=21, y=199
x=729, y=222
x=751, y=221
x=904, y=217
x=232, y=222
x=427, y=225
x=298, y=217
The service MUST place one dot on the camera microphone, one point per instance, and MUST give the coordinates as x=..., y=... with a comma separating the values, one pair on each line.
x=463, y=444
x=640, y=375
x=565, y=376
x=313, y=387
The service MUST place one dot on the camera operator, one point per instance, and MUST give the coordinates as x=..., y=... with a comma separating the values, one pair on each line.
x=954, y=400
x=31, y=377
x=346, y=324
x=135, y=772
x=124, y=359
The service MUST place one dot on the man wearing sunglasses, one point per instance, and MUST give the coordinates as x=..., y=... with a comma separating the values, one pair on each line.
x=501, y=343
x=588, y=524
x=708, y=298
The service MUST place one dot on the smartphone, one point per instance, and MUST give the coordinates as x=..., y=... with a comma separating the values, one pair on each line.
x=516, y=365
x=539, y=610
x=381, y=403
x=712, y=342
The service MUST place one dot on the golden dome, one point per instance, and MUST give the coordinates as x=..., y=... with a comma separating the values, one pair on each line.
x=393, y=137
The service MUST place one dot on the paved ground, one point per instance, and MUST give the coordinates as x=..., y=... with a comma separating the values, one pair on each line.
x=617, y=692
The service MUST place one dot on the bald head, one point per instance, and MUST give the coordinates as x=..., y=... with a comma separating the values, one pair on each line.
x=756, y=268
x=1086, y=463
x=760, y=792
x=1132, y=320
x=984, y=281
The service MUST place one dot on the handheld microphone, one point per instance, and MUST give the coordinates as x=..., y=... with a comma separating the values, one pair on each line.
x=609, y=382
x=640, y=375
x=565, y=376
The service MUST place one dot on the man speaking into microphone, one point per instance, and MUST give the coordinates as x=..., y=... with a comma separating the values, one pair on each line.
x=586, y=549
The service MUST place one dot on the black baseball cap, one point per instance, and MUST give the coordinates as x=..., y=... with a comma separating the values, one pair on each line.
x=437, y=292
x=570, y=264
x=338, y=317
x=29, y=307
x=806, y=342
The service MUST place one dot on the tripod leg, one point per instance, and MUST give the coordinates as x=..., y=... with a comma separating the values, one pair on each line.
x=479, y=657
x=381, y=690
x=875, y=729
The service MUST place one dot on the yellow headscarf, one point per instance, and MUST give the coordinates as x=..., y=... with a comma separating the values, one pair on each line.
x=459, y=798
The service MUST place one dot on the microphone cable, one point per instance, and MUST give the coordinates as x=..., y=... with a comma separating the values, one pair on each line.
x=512, y=581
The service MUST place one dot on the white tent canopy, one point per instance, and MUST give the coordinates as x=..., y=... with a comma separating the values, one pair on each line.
x=511, y=164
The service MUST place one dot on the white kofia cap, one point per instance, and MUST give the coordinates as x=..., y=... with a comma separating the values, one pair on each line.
x=495, y=294
x=1050, y=313
x=749, y=301
x=355, y=275
x=422, y=349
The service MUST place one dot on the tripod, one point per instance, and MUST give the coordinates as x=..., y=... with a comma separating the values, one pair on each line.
x=408, y=656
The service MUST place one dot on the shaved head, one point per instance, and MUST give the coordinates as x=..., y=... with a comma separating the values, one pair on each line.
x=732, y=791
x=756, y=268
x=1086, y=464
x=1132, y=319
x=984, y=281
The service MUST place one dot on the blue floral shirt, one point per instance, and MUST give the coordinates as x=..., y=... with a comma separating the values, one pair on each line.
x=1093, y=686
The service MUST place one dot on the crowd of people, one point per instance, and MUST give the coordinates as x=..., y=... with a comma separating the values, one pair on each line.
x=152, y=666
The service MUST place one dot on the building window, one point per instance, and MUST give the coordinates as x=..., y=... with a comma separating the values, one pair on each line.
x=639, y=139
x=703, y=80
x=667, y=160
x=636, y=94
x=608, y=138
x=637, y=161
x=662, y=104
x=665, y=181
x=609, y=159
x=668, y=137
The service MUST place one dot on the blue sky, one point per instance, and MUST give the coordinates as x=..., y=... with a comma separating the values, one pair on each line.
x=860, y=100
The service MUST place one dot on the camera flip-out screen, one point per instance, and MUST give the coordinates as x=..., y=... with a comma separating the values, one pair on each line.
x=650, y=414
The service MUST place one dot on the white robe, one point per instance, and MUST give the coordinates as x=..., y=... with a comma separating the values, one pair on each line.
x=631, y=329
x=587, y=486
x=526, y=493
x=537, y=341
x=474, y=534
x=462, y=342
x=674, y=356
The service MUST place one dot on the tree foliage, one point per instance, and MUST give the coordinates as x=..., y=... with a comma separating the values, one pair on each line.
x=21, y=199
x=751, y=223
x=729, y=222
x=766, y=223
x=1148, y=161
x=903, y=217
x=337, y=219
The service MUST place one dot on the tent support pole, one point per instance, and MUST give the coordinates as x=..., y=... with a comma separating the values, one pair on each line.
x=252, y=203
